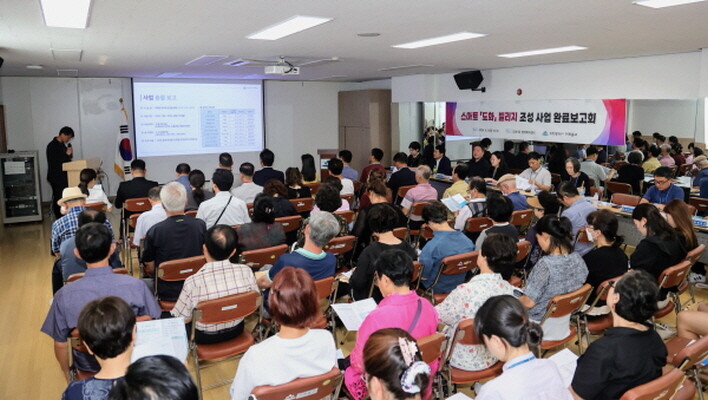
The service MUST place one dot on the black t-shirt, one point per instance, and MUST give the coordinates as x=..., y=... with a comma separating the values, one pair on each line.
x=620, y=360
x=631, y=174
x=402, y=177
x=304, y=191
x=604, y=263
x=582, y=180
x=479, y=168
x=363, y=276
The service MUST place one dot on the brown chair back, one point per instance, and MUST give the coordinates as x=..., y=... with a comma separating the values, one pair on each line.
x=349, y=198
x=521, y=218
x=431, y=347
x=619, y=164
x=417, y=271
x=625, y=199
x=256, y=259
x=340, y=245
x=478, y=224
x=303, y=204
x=402, y=190
x=133, y=220
x=314, y=187
x=555, y=178
x=691, y=355
x=701, y=204
x=567, y=303
x=325, y=287
x=523, y=247
x=291, y=223
x=425, y=232
x=226, y=309
x=347, y=215
x=400, y=233
x=683, y=169
x=460, y=263
x=357, y=186
x=324, y=174
x=695, y=254
x=312, y=388
x=465, y=333
x=79, y=275
x=661, y=388
x=138, y=204
x=417, y=208
x=674, y=275
x=191, y=213
x=249, y=206
x=179, y=270
x=582, y=236
x=618, y=187
x=96, y=206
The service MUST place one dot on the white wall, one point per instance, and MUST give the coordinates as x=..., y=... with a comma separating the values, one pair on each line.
x=669, y=117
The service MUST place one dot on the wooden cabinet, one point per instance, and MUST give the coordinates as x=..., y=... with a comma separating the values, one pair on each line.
x=365, y=123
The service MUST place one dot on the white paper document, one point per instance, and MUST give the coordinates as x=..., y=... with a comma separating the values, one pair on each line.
x=459, y=396
x=353, y=314
x=522, y=184
x=566, y=361
x=161, y=337
x=455, y=202
x=14, y=167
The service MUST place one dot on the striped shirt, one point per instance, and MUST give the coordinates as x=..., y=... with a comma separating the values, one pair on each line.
x=66, y=227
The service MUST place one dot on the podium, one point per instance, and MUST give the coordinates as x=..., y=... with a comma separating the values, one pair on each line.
x=73, y=169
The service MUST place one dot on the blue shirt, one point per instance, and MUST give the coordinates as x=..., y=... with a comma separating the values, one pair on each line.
x=66, y=227
x=656, y=196
x=577, y=213
x=319, y=266
x=70, y=264
x=350, y=173
x=88, y=389
x=699, y=177
x=443, y=244
x=519, y=201
x=184, y=180
x=704, y=189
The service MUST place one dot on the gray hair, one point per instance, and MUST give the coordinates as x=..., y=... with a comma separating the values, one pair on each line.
x=423, y=172
x=173, y=197
x=665, y=147
x=323, y=228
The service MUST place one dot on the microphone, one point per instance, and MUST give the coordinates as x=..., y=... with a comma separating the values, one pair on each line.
x=68, y=145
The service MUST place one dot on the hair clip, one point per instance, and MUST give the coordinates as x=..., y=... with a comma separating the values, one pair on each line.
x=408, y=379
x=408, y=350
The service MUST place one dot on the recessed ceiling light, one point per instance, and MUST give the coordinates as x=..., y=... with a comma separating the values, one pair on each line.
x=66, y=13
x=35, y=66
x=288, y=27
x=542, y=51
x=664, y=3
x=455, y=37
x=369, y=34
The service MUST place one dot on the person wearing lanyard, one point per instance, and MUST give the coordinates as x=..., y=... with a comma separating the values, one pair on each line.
x=663, y=190
x=504, y=326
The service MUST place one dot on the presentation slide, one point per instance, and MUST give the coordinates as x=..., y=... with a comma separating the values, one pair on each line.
x=184, y=118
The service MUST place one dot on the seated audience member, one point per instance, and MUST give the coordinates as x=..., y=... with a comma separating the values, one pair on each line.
x=459, y=185
x=155, y=377
x=693, y=324
x=679, y=217
x=223, y=208
x=445, y=242
x=508, y=154
x=632, y=173
x=617, y=157
x=440, y=164
x=70, y=263
x=576, y=209
x=248, y=190
x=400, y=308
x=296, y=351
x=476, y=205
x=94, y=245
x=539, y=177
x=380, y=176
x=414, y=156
x=136, y=187
x=178, y=236
x=347, y=171
x=326, y=200
x=496, y=263
x=107, y=329
x=555, y=158
x=677, y=154
x=478, y=165
x=322, y=228
x=197, y=195
x=593, y=170
x=507, y=185
x=404, y=176
x=544, y=203
x=374, y=163
x=510, y=336
x=663, y=190
x=95, y=194
x=183, y=170
x=499, y=209
x=278, y=193
x=381, y=219
x=309, y=171
x=498, y=167
x=65, y=227
x=267, y=172
x=422, y=191
x=521, y=160
x=606, y=260
x=226, y=161
x=296, y=188
x=574, y=175
x=665, y=158
x=263, y=231
x=376, y=192
x=581, y=152
x=695, y=153
x=701, y=164
x=630, y=353
x=156, y=214
x=560, y=271
x=217, y=278
x=335, y=166
x=651, y=161
x=394, y=368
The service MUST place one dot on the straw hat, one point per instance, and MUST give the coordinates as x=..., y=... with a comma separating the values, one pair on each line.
x=506, y=178
x=534, y=202
x=71, y=193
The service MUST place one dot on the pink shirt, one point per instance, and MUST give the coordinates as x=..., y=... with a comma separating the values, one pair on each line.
x=667, y=161
x=394, y=311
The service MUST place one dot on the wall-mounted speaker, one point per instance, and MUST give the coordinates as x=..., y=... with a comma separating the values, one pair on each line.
x=469, y=80
x=2, y=60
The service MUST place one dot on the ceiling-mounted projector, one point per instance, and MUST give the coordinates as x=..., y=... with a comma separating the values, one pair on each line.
x=282, y=69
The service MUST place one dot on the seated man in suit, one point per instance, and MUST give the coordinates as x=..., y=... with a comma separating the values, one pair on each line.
x=178, y=236
x=136, y=187
x=403, y=177
x=440, y=163
x=267, y=173
x=94, y=246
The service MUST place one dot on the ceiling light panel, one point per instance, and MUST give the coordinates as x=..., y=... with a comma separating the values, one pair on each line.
x=206, y=60
x=67, y=54
x=288, y=27
x=455, y=37
x=665, y=3
x=540, y=52
x=66, y=13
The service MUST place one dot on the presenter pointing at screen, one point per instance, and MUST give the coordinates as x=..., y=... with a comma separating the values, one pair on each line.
x=59, y=151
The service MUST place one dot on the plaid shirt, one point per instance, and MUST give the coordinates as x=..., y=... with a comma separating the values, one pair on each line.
x=215, y=280
x=66, y=227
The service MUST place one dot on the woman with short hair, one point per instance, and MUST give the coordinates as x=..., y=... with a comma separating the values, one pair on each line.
x=580, y=179
x=296, y=187
x=606, y=260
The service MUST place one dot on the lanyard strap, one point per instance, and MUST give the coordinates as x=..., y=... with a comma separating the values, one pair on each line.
x=524, y=361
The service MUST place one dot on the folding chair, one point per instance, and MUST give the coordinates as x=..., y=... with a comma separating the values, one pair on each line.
x=562, y=305
x=291, y=223
x=314, y=187
x=225, y=309
x=700, y=204
x=312, y=388
x=349, y=198
x=132, y=223
x=347, y=215
x=672, y=277
x=521, y=219
x=665, y=387
x=464, y=334
x=415, y=276
x=415, y=210
x=96, y=206
x=191, y=213
x=594, y=190
x=683, y=169
x=581, y=236
x=687, y=355
x=257, y=259
x=303, y=204
x=523, y=250
x=625, y=199
x=357, y=186
x=598, y=324
x=401, y=193
x=477, y=224
x=249, y=207
x=400, y=233
x=432, y=349
x=452, y=265
x=618, y=187
x=79, y=275
x=136, y=205
x=176, y=271
x=693, y=256
x=340, y=246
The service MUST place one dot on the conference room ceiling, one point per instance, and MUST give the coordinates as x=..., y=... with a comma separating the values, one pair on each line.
x=146, y=38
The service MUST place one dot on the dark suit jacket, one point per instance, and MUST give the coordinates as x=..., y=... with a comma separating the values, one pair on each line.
x=134, y=188
x=403, y=177
x=479, y=168
x=445, y=166
x=56, y=156
x=266, y=174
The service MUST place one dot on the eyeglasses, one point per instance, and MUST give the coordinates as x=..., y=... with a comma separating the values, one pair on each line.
x=658, y=182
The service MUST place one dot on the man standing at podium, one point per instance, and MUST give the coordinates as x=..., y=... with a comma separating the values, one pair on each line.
x=59, y=151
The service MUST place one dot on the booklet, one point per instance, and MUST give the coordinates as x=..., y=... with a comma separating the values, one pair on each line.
x=523, y=184
x=161, y=337
x=353, y=314
x=455, y=202
x=566, y=361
